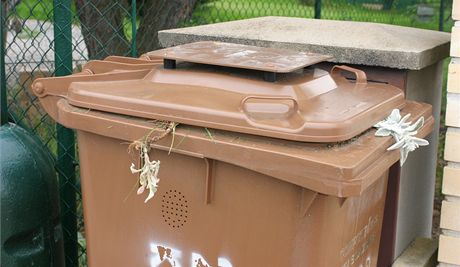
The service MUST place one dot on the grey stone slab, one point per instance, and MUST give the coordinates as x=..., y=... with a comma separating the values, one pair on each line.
x=348, y=42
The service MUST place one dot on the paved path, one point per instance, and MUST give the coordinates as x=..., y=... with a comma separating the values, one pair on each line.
x=32, y=50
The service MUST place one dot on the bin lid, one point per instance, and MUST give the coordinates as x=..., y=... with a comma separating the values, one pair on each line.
x=240, y=56
x=226, y=91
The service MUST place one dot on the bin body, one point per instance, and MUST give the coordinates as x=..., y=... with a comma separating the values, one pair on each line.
x=252, y=219
x=274, y=181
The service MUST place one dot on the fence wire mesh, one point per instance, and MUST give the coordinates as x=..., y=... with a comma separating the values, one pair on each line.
x=44, y=38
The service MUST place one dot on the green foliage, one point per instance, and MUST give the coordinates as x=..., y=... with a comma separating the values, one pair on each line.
x=35, y=9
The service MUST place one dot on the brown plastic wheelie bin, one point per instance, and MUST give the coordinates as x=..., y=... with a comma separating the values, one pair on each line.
x=264, y=160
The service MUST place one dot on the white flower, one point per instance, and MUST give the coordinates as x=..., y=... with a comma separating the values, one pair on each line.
x=403, y=132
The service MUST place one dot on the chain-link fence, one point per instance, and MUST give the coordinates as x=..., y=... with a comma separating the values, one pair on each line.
x=46, y=37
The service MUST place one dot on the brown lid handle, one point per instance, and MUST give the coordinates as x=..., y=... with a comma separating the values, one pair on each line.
x=278, y=109
x=361, y=77
x=271, y=100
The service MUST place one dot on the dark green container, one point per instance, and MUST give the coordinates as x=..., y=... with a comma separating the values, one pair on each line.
x=31, y=232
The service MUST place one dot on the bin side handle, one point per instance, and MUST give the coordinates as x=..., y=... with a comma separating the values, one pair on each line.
x=361, y=77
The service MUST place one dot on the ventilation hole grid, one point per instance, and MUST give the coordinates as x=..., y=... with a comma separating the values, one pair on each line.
x=174, y=208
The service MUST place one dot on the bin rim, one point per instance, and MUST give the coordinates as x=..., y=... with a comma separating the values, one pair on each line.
x=318, y=167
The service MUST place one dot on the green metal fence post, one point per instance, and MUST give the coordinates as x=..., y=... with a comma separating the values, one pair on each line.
x=65, y=137
x=133, y=28
x=3, y=104
x=442, y=6
x=317, y=9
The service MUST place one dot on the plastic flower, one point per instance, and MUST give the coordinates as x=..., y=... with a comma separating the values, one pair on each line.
x=148, y=177
x=403, y=132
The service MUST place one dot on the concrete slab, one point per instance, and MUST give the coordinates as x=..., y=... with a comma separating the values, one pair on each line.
x=364, y=43
x=420, y=253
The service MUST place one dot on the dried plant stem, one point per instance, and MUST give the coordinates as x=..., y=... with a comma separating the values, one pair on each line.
x=149, y=169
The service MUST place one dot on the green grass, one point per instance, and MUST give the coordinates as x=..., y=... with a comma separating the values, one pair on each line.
x=213, y=11
x=225, y=10
x=402, y=17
